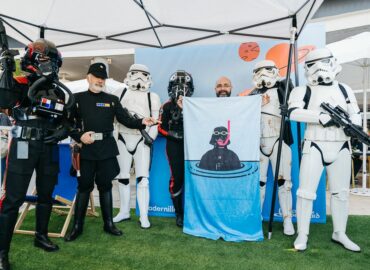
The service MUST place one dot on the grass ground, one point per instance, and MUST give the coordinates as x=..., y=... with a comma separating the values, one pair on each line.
x=164, y=246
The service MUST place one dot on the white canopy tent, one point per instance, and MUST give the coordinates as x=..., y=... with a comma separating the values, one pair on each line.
x=101, y=25
x=353, y=54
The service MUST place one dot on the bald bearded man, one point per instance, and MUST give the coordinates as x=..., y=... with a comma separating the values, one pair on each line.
x=223, y=87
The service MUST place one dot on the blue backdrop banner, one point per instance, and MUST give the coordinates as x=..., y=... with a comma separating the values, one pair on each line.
x=207, y=64
x=222, y=168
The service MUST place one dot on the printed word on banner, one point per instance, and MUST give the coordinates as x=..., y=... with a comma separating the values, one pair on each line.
x=222, y=137
x=160, y=199
x=319, y=205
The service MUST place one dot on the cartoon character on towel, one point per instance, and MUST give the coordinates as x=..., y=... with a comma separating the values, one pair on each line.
x=220, y=158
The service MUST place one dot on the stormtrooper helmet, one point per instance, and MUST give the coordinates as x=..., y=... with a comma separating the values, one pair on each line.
x=265, y=74
x=321, y=67
x=138, y=78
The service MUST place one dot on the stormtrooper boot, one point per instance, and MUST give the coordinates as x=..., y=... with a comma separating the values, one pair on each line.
x=124, y=212
x=304, y=212
x=143, y=202
x=285, y=200
x=339, y=210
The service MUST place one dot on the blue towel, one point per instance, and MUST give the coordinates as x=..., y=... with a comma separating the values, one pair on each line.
x=222, y=168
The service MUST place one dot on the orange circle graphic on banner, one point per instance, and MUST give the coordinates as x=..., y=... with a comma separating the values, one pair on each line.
x=280, y=52
x=249, y=51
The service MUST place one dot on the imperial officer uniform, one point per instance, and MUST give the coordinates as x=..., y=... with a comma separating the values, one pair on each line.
x=96, y=112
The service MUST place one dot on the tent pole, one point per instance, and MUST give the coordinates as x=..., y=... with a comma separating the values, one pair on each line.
x=141, y=5
x=366, y=84
x=151, y=24
x=308, y=14
x=299, y=132
x=42, y=32
x=15, y=29
x=293, y=32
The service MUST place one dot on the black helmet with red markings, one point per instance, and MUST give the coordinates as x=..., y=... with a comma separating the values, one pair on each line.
x=42, y=57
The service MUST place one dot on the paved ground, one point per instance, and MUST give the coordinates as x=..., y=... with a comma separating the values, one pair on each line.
x=358, y=205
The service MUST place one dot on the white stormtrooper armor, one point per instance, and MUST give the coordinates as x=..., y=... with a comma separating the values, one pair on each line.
x=131, y=143
x=265, y=74
x=325, y=145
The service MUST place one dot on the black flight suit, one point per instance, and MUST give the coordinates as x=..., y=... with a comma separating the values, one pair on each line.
x=96, y=112
x=172, y=128
x=29, y=152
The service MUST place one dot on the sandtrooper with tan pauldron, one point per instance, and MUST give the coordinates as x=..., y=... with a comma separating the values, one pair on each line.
x=267, y=83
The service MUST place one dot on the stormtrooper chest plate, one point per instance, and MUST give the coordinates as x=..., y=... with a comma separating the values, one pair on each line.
x=334, y=96
x=331, y=94
x=136, y=102
x=270, y=118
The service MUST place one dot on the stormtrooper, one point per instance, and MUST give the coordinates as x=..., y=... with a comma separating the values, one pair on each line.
x=268, y=84
x=325, y=144
x=132, y=145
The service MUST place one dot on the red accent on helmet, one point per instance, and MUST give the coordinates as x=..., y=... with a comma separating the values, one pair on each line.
x=21, y=79
x=40, y=46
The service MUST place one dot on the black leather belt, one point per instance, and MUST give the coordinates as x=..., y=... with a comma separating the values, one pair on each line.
x=107, y=134
x=29, y=133
x=98, y=136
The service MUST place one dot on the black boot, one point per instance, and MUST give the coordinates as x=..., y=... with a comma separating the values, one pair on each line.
x=180, y=220
x=43, y=212
x=82, y=201
x=179, y=210
x=7, y=223
x=4, y=260
x=106, y=206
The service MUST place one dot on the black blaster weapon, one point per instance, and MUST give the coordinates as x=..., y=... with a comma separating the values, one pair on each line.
x=341, y=118
x=7, y=67
x=75, y=169
x=7, y=63
x=147, y=139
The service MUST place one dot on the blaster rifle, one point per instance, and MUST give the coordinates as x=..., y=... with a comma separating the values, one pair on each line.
x=7, y=63
x=147, y=139
x=341, y=118
x=7, y=67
